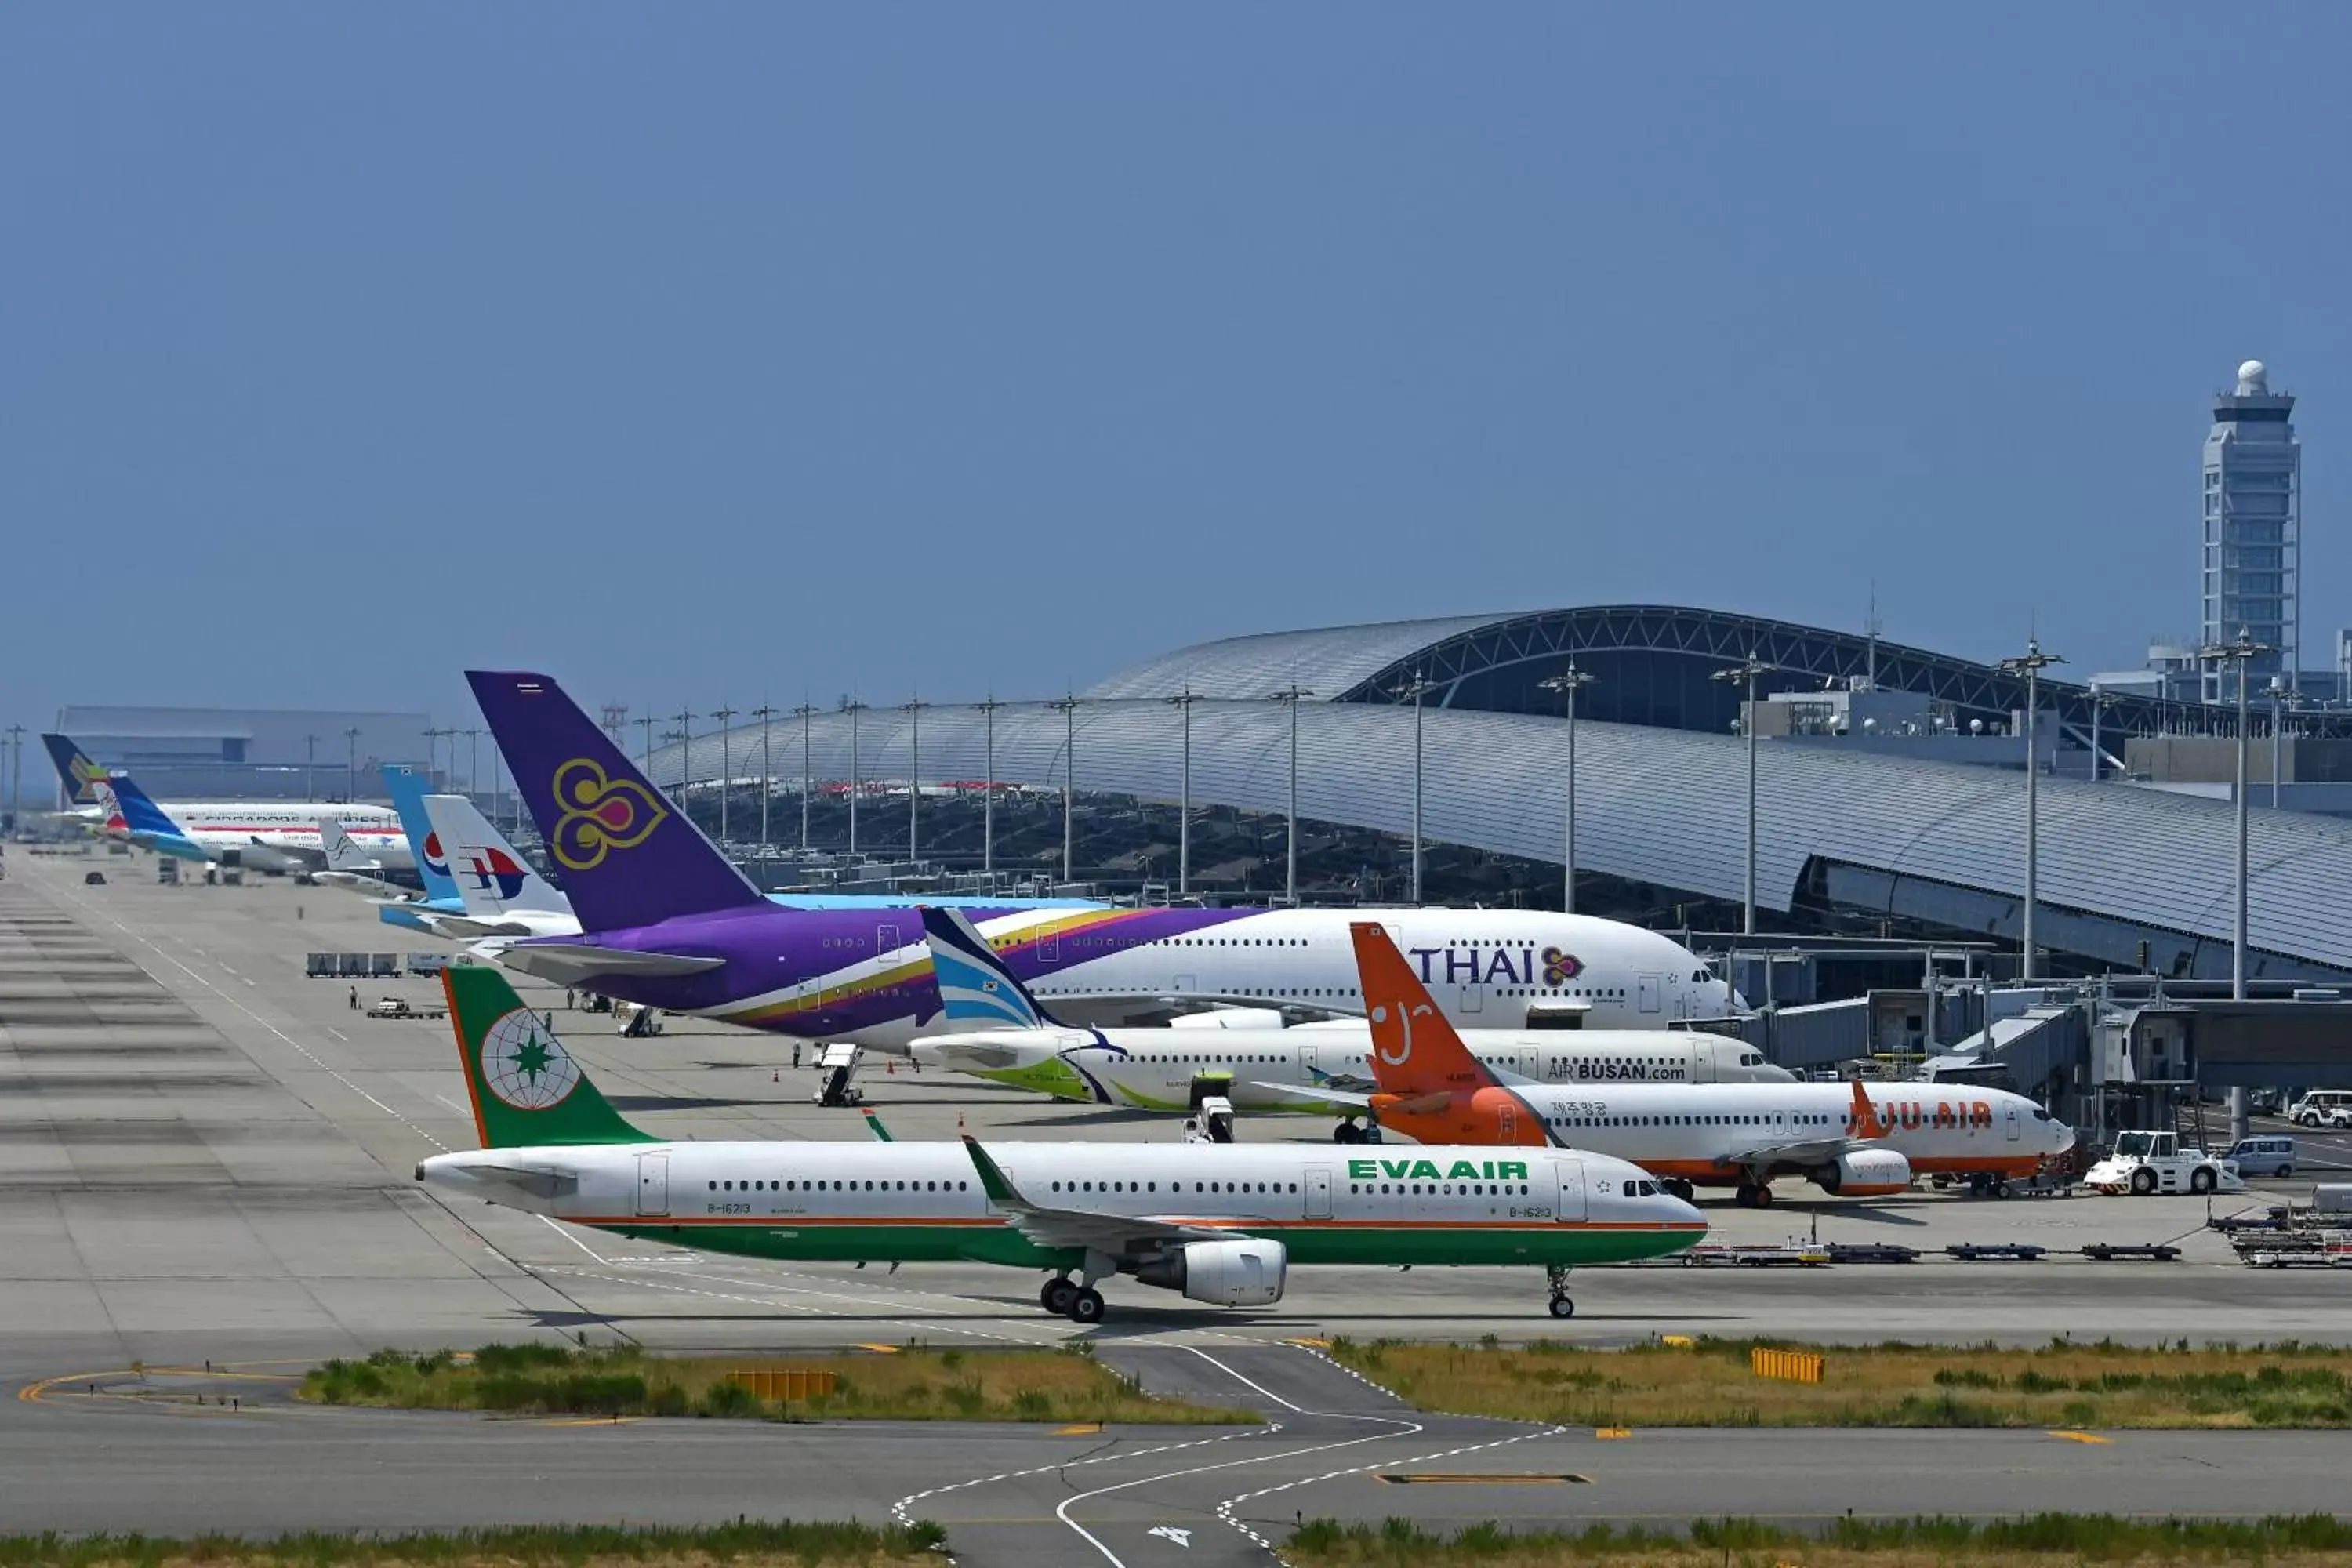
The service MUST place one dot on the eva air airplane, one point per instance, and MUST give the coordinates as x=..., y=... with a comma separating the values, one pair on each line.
x=1002, y=1033
x=1220, y=1223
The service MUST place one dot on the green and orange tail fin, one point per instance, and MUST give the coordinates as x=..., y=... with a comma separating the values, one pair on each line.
x=1415, y=1049
x=526, y=1089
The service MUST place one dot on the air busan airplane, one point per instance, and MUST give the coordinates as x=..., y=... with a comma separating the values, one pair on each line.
x=1220, y=1223
x=1010, y=1038
x=670, y=922
x=1855, y=1141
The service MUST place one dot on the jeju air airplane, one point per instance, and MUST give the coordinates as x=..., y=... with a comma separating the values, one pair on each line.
x=1851, y=1140
x=1001, y=1033
x=1219, y=1223
x=670, y=922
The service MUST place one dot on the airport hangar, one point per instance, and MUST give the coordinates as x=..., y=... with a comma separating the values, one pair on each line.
x=1848, y=823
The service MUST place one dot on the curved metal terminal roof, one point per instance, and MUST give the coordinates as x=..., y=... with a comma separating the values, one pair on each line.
x=1667, y=807
x=1492, y=662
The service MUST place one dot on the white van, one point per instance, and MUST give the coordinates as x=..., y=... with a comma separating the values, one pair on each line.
x=2266, y=1155
x=2322, y=1107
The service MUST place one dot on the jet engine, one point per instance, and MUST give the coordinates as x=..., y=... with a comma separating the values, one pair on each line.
x=1222, y=1273
x=1866, y=1174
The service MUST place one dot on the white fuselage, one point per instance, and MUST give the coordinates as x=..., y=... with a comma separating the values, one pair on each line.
x=1155, y=1069
x=1491, y=969
x=1701, y=1131
x=291, y=829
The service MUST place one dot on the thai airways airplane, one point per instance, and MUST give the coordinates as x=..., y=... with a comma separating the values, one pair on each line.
x=1854, y=1140
x=670, y=922
x=1220, y=1223
x=1004, y=1035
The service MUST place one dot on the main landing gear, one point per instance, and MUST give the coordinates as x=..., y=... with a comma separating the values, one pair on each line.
x=1082, y=1304
x=1556, y=1276
x=1754, y=1195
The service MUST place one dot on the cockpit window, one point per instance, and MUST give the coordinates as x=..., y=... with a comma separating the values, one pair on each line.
x=1649, y=1189
x=1633, y=1189
x=2040, y=1114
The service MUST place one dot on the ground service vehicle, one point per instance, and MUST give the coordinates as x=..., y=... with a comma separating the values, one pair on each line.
x=2320, y=1107
x=2266, y=1154
x=2145, y=1162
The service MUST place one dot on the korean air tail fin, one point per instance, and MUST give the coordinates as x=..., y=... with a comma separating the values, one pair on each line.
x=975, y=986
x=492, y=880
x=141, y=815
x=82, y=778
x=527, y=1089
x=407, y=787
x=629, y=856
x=1415, y=1049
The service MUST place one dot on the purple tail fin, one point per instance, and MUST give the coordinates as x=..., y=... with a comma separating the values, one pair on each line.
x=628, y=856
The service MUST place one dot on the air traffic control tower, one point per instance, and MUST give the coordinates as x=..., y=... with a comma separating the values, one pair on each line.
x=2253, y=532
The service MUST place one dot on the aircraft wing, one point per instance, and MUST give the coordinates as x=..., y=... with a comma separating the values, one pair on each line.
x=1119, y=1235
x=570, y=962
x=1804, y=1152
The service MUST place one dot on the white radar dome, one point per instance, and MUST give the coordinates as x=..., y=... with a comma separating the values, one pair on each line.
x=2253, y=377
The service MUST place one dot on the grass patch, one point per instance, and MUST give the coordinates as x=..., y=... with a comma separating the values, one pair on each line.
x=915, y=1384
x=2061, y=1384
x=582, y=1546
x=2041, y=1541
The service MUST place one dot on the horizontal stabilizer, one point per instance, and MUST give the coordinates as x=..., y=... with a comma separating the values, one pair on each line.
x=570, y=962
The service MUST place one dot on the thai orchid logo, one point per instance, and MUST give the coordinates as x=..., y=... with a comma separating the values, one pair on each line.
x=600, y=814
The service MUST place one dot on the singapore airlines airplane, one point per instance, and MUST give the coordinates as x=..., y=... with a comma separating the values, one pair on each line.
x=1219, y=1223
x=1855, y=1141
x=275, y=838
x=1009, y=1037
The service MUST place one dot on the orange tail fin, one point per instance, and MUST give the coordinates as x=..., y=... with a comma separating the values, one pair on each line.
x=1414, y=1049
x=1867, y=1123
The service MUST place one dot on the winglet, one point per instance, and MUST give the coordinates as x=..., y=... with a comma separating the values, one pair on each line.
x=993, y=1179
x=873, y=1125
x=1415, y=1049
x=1867, y=1122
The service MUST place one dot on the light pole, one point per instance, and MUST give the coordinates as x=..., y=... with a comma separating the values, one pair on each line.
x=2278, y=702
x=2241, y=652
x=1568, y=682
x=1412, y=691
x=913, y=709
x=1069, y=709
x=310, y=762
x=765, y=713
x=684, y=734
x=988, y=798
x=2030, y=664
x=15, y=774
x=1184, y=701
x=1288, y=696
x=724, y=712
x=2100, y=703
x=473, y=763
x=645, y=756
x=351, y=762
x=804, y=712
x=1745, y=671
x=852, y=709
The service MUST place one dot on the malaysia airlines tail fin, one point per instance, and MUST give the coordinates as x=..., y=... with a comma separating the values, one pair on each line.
x=630, y=857
x=975, y=986
x=83, y=779
x=526, y=1089
x=1414, y=1049
x=492, y=880
x=407, y=787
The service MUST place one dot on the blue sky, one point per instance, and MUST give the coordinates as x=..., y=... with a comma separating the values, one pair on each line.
x=723, y=352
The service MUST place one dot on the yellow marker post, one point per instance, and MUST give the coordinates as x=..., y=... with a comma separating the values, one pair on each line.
x=1788, y=1366
x=1613, y=1432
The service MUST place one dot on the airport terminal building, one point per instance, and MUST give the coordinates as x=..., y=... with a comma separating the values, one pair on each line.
x=1889, y=779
